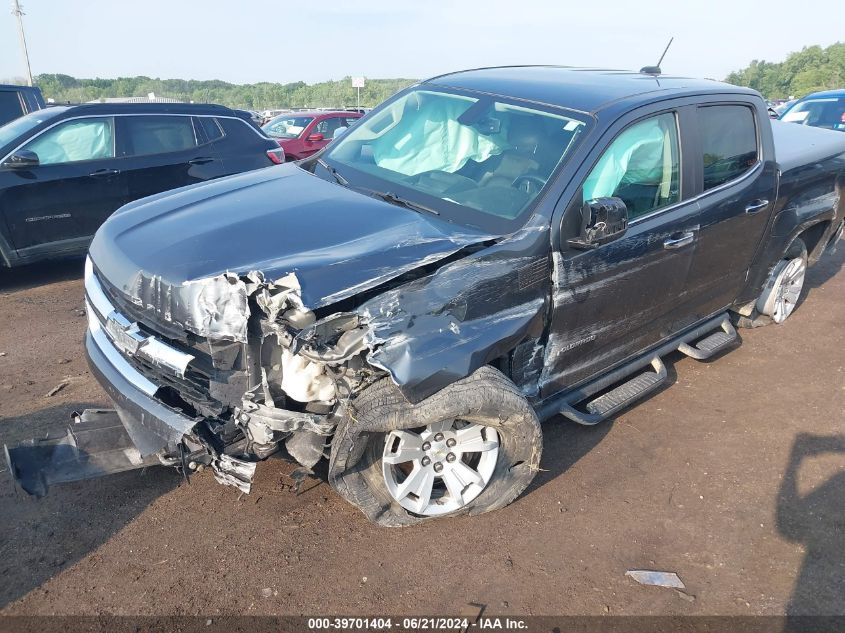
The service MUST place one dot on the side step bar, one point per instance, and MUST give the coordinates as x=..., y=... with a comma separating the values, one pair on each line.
x=95, y=444
x=606, y=405
x=617, y=399
x=712, y=344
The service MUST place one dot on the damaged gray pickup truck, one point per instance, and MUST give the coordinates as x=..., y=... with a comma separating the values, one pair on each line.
x=485, y=250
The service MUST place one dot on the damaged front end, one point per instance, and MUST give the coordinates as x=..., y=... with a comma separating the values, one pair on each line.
x=223, y=371
x=236, y=368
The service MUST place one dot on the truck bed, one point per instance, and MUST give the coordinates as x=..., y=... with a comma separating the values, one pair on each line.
x=797, y=145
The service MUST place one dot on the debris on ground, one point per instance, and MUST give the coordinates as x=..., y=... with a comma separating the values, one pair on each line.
x=656, y=578
x=57, y=388
x=300, y=475
x=686, y=596
x=472, y=612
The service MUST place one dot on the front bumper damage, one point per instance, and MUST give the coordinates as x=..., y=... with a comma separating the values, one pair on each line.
x=143, y=429
x=278, y=373
x=94, y=445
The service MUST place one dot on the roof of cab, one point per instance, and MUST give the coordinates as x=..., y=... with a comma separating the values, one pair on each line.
x=583, y=89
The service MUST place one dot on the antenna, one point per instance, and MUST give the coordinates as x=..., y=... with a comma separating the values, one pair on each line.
x=18, y=13
x=655, y=70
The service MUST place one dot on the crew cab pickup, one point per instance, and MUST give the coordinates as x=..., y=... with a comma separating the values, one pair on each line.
x=486, y=250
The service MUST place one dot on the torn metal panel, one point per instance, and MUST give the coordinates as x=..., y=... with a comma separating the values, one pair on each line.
x=306, y=447
x=438, y=329
x=231, y=471
x=96, y=444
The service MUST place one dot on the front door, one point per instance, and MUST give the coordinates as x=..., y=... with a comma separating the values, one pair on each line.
x=619, y=298
x=76, y=186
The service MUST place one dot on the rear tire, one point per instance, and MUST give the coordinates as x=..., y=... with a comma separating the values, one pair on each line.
x=498, y=461
x=783, y=290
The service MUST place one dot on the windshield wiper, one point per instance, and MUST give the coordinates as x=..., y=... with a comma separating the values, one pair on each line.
x=392, y=198
x=334, y=173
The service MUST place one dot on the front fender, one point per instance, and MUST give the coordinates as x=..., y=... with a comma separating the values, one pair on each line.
x=437, y=330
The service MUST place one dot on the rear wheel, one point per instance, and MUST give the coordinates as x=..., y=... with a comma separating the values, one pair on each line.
x=783, y=289
x=788, y=282
x=470, y=448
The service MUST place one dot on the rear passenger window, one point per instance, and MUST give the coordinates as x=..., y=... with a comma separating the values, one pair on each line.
x=211, y=128
x=158, y=134
x=729, y=141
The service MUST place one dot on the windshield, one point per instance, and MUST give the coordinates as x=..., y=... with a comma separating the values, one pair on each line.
x=24, y=124
x=473, y=151
x=287, y=126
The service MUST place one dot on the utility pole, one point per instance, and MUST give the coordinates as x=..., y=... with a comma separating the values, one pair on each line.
x=16, y=11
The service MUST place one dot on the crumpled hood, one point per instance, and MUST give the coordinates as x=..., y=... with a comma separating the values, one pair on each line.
x=277, y=221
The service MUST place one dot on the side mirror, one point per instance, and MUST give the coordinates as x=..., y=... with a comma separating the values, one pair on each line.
x=315, y=137
x=602, y=220
x=22, y=159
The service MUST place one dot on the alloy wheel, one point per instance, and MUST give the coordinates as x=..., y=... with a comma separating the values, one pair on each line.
x=787, y=289
x=439, y=468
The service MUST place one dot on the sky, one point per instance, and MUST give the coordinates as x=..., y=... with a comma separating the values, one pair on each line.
x=242, y=41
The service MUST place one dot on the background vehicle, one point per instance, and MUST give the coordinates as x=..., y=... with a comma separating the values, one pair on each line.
x=64, y=170
x=819, y=109
x=485, y=250
x=301, y=134
x=15, y=101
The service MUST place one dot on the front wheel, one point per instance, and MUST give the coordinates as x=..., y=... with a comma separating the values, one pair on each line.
x=470, y=448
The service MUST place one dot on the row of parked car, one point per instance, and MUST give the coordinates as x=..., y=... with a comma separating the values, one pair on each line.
x=65, y=169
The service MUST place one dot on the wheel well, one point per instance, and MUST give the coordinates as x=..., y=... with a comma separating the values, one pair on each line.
x=813, y=235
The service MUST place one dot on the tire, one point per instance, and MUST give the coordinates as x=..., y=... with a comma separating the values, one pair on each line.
x=485, y=404
x=779, y=297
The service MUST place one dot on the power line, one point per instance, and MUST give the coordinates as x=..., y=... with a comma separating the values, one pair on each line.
x=16, y=11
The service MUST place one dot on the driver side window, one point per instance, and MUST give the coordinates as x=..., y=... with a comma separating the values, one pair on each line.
x=641, y=166
x=74, y=141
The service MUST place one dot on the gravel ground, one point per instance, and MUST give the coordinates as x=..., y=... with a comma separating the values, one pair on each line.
x=733, y=477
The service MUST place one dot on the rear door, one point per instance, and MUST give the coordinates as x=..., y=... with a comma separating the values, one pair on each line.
x=163, y=152
x=239, y=145
x=619, y=298
x=736, y=190
x=76, y=186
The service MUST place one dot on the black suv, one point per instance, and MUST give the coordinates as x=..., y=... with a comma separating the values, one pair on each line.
x=64, y=170
x=15, y=101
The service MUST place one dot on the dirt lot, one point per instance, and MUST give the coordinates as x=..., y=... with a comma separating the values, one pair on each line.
x=692, y=481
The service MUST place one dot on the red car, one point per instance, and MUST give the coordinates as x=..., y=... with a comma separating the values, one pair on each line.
x=301, y=134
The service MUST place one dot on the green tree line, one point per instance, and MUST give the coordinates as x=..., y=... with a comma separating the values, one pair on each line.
x=260, y=96
x=811, y=69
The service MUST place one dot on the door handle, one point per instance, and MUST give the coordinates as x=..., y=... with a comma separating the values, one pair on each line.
x=756, y=205
x=200, y=161
x=102, y=173
x=678, y=242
